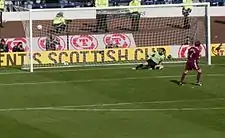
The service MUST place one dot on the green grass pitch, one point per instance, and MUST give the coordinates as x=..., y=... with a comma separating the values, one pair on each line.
x=112, y=102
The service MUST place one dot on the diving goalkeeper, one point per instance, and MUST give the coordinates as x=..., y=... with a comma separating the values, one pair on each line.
x=59, y=23
x=154, y=61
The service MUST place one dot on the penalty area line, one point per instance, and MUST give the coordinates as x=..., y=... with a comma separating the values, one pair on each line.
x=116, y=109
x=138, y=109
x=146, y=102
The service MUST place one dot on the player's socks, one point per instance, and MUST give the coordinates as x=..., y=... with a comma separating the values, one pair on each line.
x=183, y=77
x=198, y=77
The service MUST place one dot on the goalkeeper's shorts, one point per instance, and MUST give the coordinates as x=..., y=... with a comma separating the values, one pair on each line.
x=151, y=63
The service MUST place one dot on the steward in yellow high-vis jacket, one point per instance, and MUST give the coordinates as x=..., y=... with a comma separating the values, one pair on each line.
x=135, y=14
x=101, y=17
x=59, y=22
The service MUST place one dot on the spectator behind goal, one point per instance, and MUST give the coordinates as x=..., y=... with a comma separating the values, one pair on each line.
x=59, y=23
x=2, y=8
x=135, y=15
x=51, y=43
x=101, y=17
x=3, y=46
x=186, y=10
x=18, y=47
x=111, y=45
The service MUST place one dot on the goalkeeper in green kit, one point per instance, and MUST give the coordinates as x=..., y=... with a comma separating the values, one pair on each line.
x=154, y=61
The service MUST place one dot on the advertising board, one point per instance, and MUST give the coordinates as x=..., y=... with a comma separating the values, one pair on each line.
x=80, y=56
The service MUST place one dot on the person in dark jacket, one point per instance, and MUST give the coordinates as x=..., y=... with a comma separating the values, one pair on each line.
x=3, y=46
x=52, y=42
x=18, y=47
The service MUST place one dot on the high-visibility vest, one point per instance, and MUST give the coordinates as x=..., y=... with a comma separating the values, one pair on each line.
x=188, y=2
x=59, y=20
x=101, y=3
x=2, y=4
x=134, y=3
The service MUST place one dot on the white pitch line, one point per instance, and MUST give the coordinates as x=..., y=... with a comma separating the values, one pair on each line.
x=148, y=102
x=101, y=80
x=115, y=109
x=138, y=109
x=75, y=69
x=107, y=105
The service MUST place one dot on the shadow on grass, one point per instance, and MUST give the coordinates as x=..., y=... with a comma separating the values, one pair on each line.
x=11, y=69
x=193, y=84
x=178, y=82
x=175, y=81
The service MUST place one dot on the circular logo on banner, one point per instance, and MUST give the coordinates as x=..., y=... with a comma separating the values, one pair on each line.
x=183, y=50
x=80, y=42
x=121, y=40
x=11, y=42
x=60, y=46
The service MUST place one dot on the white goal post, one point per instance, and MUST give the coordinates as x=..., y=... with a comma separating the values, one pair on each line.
x=88, y=38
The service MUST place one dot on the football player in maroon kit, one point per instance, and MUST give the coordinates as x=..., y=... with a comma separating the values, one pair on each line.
x=193, y=63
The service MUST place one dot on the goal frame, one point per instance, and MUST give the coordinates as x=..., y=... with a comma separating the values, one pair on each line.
x=207, y=23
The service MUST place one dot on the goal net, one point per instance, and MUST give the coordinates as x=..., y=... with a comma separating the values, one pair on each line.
x=115, y=35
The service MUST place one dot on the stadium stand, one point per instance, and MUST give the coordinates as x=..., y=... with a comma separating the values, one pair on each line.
x=37, y=4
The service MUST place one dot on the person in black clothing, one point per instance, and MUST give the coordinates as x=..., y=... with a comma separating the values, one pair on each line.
x=135, y=16
x=3, y=46
x=111, y=45
x=52, y=42
x=18, y=47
